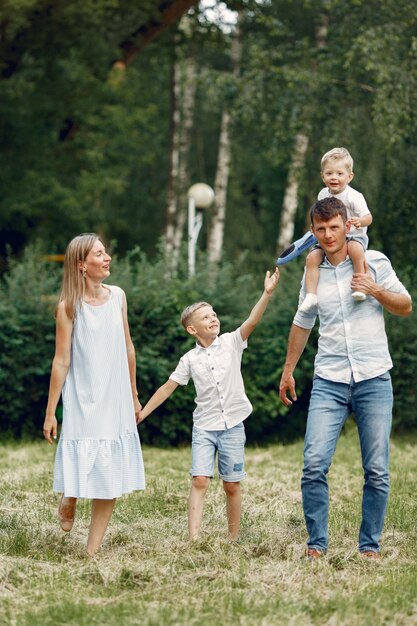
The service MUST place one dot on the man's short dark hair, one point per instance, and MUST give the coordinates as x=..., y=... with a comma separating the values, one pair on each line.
x=327, y=208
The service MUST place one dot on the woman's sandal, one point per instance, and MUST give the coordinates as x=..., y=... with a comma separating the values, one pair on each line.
x=66, y=512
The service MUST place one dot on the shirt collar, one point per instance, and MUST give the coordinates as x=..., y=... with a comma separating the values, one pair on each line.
x=327, y=263
x=216, y=342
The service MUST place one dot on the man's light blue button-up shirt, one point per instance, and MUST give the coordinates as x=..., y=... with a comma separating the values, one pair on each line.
x=352, y=338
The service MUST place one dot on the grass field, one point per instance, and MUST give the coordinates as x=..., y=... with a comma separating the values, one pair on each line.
x=147, y=573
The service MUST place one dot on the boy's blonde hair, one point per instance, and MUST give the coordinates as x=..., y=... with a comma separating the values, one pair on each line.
x=189, y=311
x=335, y=154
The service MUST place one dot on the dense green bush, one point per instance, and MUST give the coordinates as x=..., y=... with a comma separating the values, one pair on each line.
x=155, y=303
x=402, y=335
x=155, y=299
x=27, y=340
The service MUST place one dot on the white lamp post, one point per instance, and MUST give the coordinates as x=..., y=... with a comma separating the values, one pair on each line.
x=200, y=197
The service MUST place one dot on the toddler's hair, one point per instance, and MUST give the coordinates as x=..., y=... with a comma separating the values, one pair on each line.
x=334, y=155
x=189, y=311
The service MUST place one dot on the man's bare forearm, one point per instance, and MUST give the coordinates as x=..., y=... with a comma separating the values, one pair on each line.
x=395, y=303
x=297, y=341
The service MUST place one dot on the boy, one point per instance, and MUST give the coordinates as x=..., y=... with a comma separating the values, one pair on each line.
x=222, y=404
x=337, y=172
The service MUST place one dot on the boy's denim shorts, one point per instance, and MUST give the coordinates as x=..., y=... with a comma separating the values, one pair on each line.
x=230, y=447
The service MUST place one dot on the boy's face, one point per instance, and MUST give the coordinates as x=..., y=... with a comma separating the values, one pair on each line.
x=336, y=175
x=204, y=324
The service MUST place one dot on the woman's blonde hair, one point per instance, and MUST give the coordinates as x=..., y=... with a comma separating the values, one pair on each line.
x=73, y=283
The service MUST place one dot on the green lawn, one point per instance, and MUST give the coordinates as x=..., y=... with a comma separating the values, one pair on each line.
x=148, y=574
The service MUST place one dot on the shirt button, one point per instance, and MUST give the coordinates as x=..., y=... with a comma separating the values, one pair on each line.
x=212, y=368
x=218, y=383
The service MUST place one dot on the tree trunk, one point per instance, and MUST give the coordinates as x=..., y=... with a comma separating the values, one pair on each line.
x=218, y=217
x=216, y=235
x=171, y=213
x=290, y=203
x=183, y=182
x=289, y=206
x=168, y=12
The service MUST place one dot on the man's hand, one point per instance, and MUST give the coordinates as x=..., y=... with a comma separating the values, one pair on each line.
x=395, y=303
x=364, y=282
x=271, y=281
x=287, y=384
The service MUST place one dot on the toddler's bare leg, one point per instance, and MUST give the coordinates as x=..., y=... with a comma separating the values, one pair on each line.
x=233, y=508
x=198, y=491
x=357, y=256
x=101, y=512
x=312, y=279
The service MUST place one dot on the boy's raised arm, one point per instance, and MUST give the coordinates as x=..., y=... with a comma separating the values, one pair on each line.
x=157, y=399
x=259, y=309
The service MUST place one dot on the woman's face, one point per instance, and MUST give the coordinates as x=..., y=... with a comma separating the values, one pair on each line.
x=97, y=264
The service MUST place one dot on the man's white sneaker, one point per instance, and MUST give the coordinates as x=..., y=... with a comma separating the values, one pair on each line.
x=358, y=296
x=308, y=303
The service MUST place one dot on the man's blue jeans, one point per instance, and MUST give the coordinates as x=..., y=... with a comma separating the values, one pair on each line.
x=330, y=405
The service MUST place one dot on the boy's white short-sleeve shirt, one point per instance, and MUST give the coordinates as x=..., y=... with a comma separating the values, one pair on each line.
x=354, y=202
x=221, y=401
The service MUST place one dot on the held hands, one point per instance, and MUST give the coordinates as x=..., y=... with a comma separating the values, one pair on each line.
x=140, y=417
x=138, y=408
x=271, y=281
x=50, y=428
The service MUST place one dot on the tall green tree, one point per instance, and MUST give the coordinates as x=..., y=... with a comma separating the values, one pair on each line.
x=84, y=146
x=81, y=149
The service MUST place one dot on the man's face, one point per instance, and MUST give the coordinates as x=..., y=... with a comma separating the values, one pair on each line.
x=336, y=175
x=331, y=235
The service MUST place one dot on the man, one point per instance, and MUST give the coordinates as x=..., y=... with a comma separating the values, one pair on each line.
x=351, y=375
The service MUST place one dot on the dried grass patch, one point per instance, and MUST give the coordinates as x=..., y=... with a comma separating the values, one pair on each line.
x=149, y=574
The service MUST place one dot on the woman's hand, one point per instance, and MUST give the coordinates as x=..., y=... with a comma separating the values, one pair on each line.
x=50, y=428
x=138, y=408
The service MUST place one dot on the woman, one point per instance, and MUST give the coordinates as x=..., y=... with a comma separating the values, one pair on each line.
x=99, y=454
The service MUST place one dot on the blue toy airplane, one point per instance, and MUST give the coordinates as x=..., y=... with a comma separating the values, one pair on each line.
x=296, y=248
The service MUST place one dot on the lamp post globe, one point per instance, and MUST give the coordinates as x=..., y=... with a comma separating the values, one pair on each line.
x=200, y=196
